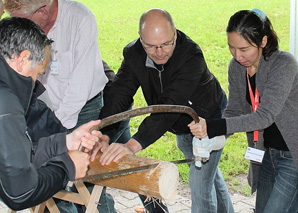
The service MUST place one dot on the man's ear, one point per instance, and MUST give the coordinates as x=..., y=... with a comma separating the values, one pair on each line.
x=43, y=10
x=22, y=60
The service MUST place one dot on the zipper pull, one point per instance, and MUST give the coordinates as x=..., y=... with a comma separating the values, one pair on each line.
x=32, y=149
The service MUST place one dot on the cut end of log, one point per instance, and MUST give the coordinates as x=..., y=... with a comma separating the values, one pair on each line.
x=168, y=181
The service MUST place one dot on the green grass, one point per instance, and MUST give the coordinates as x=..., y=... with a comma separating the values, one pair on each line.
x=205, y=22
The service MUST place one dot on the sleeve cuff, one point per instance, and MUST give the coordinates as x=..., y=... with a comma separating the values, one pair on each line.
x=216, y=127
x=64, y=161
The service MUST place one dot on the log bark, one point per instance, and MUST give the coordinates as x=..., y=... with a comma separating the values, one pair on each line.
x=161, y=181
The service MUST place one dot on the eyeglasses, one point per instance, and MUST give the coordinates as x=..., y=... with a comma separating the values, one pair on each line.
x=166, y=46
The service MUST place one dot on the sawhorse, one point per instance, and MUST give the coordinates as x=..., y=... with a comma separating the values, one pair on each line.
x=83, y=197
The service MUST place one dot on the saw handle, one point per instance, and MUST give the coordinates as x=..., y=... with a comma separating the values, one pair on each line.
x=144, y=110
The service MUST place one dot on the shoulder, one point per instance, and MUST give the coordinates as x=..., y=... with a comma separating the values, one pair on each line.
x=283, y=57
x=75, y=12
x=235, y=66
x=185, y=44
x=187, y=52
x=75, y=7
x=282, y=62
x=133, y=48
x=74, y=18
x=9, y=103
x=234, y=63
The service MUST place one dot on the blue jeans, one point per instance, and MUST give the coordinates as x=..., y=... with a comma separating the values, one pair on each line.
x=123, y=133
x=277, y=183
x=209, y=192
x=91, y=112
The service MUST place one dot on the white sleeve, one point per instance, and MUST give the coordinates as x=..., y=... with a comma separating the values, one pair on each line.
x=87, y=78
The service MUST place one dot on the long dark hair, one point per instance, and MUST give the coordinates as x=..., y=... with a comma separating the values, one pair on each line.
x=253, y=26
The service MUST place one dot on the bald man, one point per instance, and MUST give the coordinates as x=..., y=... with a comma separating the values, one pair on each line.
x=170, y=69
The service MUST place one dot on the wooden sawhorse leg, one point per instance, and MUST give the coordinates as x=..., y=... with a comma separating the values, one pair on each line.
x=83, y=197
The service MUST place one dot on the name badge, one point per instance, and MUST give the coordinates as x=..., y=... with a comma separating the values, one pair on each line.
x=54, y=67
x=254, y=154
x=54, y=63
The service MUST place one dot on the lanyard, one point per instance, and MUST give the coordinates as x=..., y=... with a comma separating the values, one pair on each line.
x=254, y=103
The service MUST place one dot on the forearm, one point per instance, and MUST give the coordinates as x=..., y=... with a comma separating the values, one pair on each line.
x=216, y=127
x=153, y=127
x=49, y=181
x=49, y=147
x=134, y=145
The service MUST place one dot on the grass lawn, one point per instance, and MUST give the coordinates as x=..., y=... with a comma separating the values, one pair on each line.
x=205, y=22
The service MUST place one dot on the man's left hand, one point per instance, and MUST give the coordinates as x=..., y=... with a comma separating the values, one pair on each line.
x=116, y=151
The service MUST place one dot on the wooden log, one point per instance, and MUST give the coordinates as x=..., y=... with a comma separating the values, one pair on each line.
x=161, y=181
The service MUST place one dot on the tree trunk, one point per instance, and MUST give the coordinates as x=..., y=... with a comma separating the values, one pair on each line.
x=161, y=181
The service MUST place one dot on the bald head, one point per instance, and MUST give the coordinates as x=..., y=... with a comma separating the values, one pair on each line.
x=158, y=35
x=156, y=20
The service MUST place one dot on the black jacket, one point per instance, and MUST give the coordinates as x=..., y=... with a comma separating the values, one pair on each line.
x=41, y=120
x=185, y=80
x=27, y=179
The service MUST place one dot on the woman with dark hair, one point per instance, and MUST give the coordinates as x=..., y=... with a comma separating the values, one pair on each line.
x=263, y=102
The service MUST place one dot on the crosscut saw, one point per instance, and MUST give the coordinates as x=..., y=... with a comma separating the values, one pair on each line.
x=132, y=113
x=117, y=173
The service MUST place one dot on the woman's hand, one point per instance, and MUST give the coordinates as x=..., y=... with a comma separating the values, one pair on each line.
x=199, y=130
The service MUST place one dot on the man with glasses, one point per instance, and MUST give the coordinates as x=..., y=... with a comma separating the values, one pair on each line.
x=170, y=68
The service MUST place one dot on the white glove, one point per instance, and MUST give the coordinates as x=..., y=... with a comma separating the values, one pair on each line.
x=203, y=147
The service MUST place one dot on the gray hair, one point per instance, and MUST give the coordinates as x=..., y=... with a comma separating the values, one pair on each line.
x=27, y=7
x=19, y=34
